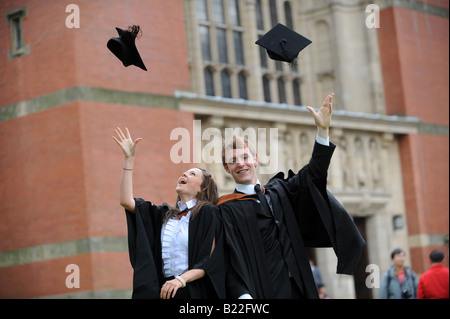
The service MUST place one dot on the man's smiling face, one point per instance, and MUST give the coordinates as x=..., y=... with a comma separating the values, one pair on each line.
x=241, y=164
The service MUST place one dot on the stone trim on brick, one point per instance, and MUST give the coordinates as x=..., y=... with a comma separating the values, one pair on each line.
x=63, y=249
x=80, y=93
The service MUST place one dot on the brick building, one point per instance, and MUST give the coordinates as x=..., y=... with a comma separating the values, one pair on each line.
x=62, y=94
x=414, y=56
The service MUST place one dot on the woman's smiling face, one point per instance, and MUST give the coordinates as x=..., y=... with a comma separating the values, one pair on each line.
x=189, y=184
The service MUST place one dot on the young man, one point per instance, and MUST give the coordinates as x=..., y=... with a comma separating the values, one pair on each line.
x=267, y=228
x=433, y=284
x=400, y=281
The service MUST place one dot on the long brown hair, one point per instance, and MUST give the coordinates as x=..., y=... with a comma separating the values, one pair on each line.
x=209, y=194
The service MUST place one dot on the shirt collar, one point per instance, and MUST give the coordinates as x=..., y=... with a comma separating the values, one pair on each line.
x=188, y=204
x=246, y=188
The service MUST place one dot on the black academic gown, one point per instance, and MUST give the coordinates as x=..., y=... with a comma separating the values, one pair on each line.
x=144, y=244
x=312, y=218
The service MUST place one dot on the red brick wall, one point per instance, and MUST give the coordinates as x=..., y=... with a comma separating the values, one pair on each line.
x=415, y=62
x=98, y=271
x=61, y=58
x=390, y=62
x=415, y=65
x=162, y=46
x=50, y=66
x=426, y=195
x=60, y=168
x=63, y=170
x=42, y=186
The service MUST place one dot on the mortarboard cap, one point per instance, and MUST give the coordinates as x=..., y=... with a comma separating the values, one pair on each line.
x=125, y=49
x=282, y=43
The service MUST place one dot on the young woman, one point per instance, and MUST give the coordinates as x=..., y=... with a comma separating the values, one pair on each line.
x=176, y=252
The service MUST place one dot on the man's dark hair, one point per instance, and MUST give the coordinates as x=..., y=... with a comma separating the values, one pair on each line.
x=396, y=251
x=436, y=256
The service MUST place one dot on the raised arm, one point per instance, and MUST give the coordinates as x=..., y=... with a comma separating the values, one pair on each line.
x=323, y=116
x=126, y=182
x=322, y=152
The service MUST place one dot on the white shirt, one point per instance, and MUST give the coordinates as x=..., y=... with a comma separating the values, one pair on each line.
x=175, y=241
x=247, y=188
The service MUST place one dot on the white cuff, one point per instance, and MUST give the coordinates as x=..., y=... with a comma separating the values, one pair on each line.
x=323, y=141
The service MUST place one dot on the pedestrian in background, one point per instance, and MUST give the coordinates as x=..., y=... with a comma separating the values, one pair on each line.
x=433, y=284
x=399, y=282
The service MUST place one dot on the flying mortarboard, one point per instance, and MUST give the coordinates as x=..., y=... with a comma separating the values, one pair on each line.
x=283, y=43
x=125, y=49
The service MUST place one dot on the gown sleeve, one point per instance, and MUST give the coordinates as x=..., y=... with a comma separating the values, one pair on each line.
x=322, y=220
x=144, y=231
x=206, y=231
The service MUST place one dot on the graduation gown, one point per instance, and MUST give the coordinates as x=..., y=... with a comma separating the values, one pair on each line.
x=306, y=213
x=144, y=245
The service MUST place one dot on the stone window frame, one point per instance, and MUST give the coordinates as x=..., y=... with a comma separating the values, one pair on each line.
x=220, y=64
x=15, y=19
x=254, y=78
x=276, y=72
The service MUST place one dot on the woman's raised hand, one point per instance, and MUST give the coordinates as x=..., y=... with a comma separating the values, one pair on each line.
x=125, y=142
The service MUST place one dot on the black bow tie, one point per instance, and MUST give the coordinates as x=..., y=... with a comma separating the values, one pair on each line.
x=184, y=211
